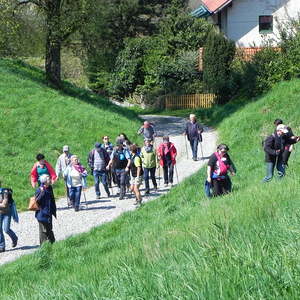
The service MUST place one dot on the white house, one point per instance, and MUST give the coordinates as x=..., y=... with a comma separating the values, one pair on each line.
x=247, y=22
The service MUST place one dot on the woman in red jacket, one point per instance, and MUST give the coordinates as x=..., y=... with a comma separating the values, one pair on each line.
x=40, y=168
x=167, y=159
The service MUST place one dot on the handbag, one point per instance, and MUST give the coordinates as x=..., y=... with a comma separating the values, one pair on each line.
x=33, y=205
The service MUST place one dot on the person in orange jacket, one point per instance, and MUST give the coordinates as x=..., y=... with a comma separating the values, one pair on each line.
x=167, y=159
x=40, y=168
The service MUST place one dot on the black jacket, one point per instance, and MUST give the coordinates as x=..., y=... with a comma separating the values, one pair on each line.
x=274, y=143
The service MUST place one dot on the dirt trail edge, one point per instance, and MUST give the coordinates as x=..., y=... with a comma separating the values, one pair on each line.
x=104, y=210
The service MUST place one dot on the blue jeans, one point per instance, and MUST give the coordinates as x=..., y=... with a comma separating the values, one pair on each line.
x=5, y=226
x=194, y=147
x=75, y=194
x=270, y=166
x=100, y=176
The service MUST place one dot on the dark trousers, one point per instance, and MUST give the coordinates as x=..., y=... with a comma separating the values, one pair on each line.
x=75, y=194
x=109, y=177
x=168, y=172
x=150, y=171
x=221, y=187
x=121, y=177
x=194, y=147
x=46, y=233
x=100, y=176
x=285, y=157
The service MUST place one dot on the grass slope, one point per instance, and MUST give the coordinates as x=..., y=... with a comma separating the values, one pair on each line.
x=183, y=246
x=35, y=118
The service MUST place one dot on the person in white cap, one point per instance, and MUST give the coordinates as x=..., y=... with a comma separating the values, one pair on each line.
x=274, y=146
x=61, y=164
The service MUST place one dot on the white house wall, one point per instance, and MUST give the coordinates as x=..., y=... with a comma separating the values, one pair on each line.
x=243, y=16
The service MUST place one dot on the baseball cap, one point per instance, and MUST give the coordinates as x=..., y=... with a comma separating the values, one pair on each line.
x=282, y=128
x=65, y=148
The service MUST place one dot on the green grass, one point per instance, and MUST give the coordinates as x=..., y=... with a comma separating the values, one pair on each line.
x=35, y=118
x=245, y=245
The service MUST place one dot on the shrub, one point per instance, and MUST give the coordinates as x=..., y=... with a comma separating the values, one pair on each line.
x=218, y=56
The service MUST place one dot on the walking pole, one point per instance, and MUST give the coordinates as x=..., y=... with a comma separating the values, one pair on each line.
x=159, y=175
x=85, y=201
x=176, y=173
x=68, y=198
x=186, y=149
x=201, y=149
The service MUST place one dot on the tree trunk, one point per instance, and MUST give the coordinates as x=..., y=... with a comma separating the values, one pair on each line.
x=53, y=62
x=53, y=43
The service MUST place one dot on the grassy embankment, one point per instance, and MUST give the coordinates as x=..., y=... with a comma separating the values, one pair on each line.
x=35, y=118
x=183, y=246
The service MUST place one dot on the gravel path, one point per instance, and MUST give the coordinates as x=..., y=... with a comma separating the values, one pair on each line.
x=97, y=212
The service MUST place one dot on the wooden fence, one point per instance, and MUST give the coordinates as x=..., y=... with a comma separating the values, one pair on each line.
x=190, y=101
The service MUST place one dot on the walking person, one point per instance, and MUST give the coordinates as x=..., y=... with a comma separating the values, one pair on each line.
x=98, y=160
x=136, y=173
x=41, y=167
x=61, y=164
x=149, y=159
x=147, y=130
x=75, y=175
x=217, y=171
x=167, y=158
x=274, y=147
x=124, y=139
x=120, y=159
x=45, y=199
x=193, y=132
x=288, y=148
x=7, y=211
x=109, y=147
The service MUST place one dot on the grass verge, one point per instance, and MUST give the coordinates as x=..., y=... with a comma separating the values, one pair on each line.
x=36, y=118
x=182, y=246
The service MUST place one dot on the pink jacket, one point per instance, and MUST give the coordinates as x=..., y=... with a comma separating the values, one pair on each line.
x=163, y=150
x=34, y=173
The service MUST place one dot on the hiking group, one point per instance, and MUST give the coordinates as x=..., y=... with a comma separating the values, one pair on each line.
x=126, y=165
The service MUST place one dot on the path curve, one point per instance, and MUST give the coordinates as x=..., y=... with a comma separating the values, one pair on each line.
x=104, y=210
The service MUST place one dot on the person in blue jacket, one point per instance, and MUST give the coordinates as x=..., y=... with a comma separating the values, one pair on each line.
x=45, y=199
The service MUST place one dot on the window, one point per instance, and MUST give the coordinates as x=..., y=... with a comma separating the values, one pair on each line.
x=265, y=24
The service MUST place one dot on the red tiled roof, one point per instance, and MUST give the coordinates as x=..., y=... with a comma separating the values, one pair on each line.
x=214, y=5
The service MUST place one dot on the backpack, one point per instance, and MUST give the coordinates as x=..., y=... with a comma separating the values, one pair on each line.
x=223, y=167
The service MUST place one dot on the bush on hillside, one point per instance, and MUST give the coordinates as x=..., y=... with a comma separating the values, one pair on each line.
x=217, y=59
x=272, y=65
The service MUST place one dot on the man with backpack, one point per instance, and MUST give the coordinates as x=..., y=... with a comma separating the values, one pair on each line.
x=167, y=158
x=136, y=173
x=120, y=162
x=98, y=160
x=147, y=130
x=193, y=131
x=7, y=211
x=274, y=146
x=108, y=146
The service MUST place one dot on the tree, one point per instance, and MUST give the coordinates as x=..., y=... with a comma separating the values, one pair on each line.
x=218, y=56
x=62, y=18
x=9, y=28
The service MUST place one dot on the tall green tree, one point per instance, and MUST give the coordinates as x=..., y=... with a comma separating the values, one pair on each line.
x=62, y=19
x=218, y=56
